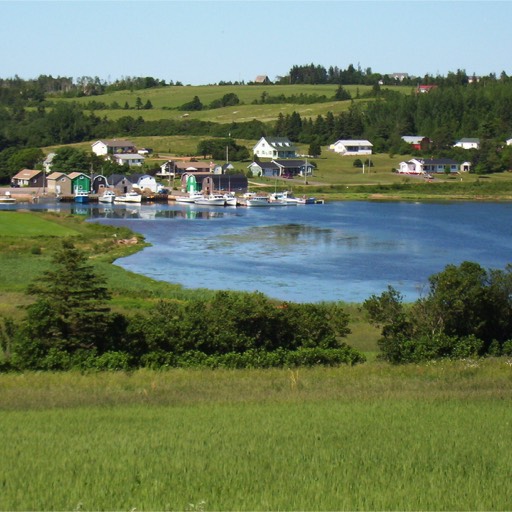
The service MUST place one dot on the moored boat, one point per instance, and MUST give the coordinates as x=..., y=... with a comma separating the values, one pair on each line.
x=7, y=198
x=81, y=197
x=129, y=197
x=107, y=197
x=211, y=200
x=230, y=199
x=190, y=198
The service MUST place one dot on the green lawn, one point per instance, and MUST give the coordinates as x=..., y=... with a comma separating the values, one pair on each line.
x=16, y=224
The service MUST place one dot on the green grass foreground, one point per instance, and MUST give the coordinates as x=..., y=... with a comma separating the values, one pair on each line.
x=370, y=437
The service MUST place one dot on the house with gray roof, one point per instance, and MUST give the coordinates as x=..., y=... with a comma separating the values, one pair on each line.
x=275, y=147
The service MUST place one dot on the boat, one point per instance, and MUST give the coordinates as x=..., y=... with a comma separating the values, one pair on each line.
x=107, y=197
x=230, y=199
x=81, y=197
x=7, y=198
x=257, y=201
x=287, y=197
x=211, y=200
x=190, y=198
x=129, y=197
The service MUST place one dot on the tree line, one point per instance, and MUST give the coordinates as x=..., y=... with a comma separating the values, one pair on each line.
x=69, y=324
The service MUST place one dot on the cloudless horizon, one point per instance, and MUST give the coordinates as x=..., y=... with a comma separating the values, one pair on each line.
x=208, y=41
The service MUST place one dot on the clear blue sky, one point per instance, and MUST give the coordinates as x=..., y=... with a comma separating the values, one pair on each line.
x=203, y=42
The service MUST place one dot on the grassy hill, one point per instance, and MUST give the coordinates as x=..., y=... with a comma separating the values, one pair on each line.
x=167, y=100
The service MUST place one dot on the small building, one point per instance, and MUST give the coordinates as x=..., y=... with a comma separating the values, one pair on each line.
x=352, y=147
x=29, y=178
x=291, y=168
x=80, y=182
x=267, y=169
x=418, y=142
x=130, y=159
x=275, y=147
x=113, y=147
x=236, y=183
x=99, y=184
x=509, y=141
x=59, y=183
x=144, y=182
x=467, y=143
x=262, y=80
x=120, y=184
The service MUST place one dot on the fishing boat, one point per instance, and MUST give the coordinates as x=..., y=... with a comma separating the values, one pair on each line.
x=7, y=198
x=81, y=197
x=253, y=201
x=129, y=197
x=287, y=197
x=190, y=198
x=230, y=199
x=107, y=197
x=211, y=200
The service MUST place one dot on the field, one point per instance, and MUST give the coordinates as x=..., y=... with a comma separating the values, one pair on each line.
x=370, y=437
x=167, y=100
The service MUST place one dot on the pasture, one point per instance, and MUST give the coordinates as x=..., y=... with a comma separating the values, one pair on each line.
x=370, y=437
x=167, y=100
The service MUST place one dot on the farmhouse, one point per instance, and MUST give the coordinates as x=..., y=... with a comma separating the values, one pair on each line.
x=113, y=147
x=425, y=89
x=275, y=147
x=352, y=147
x=428, y=166
x=467, y=143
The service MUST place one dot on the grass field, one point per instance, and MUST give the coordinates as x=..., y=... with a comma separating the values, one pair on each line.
x=370, y=437
x=166, y=101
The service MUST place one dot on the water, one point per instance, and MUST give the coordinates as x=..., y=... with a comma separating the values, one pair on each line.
x=338, y=251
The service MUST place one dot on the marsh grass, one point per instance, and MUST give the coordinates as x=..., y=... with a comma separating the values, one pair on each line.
x=362, y=438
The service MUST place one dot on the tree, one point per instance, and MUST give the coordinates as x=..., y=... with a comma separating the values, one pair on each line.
x=25, y=159
x=315, y=149
x=71, y=310
x=138, y=103
x=69, y=159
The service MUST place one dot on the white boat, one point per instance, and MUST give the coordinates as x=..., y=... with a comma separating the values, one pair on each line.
x=190, y=198
x=7, y=198
x=129, y=197
x=287, y=197
x=211, y=200
x=230, y=199
x=257, y=201
x=107, y=197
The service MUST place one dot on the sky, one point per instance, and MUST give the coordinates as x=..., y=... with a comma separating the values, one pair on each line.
x=201, y=42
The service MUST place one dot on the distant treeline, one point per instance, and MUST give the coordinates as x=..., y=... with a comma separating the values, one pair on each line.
x=445, y=114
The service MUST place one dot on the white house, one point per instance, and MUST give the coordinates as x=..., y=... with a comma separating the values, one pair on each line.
x=467, y=143
x=112, y=147
x=509, y=142
x=130, y=159
x=352, y=147
x=275, y=147
x=428, y=166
